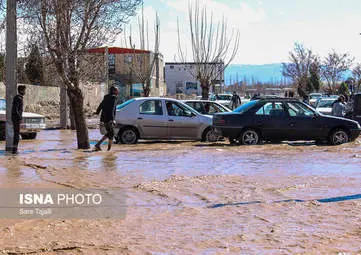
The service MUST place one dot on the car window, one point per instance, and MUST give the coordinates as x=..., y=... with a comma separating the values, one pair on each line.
x=298, y=109
x=198, y=106
x=224, y=97
x=213, y=108
x=176, y=109
x=125, y=104
x=151, y=107
x=325, y=103
x=272, y=109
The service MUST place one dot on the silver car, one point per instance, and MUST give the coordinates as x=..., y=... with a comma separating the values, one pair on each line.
x=160, y=118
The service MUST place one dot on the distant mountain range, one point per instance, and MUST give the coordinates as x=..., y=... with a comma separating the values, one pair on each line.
x=268, y=73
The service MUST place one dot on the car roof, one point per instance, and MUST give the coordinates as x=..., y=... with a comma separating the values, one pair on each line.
x=154, y=98
x=275, y=98
x=327, y=98
x=202, y=101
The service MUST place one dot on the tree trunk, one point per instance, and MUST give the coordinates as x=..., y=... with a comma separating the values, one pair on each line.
x=63, y=107
x=205, y=91
x=72, y=118
x=146, y=89
x=76, y=99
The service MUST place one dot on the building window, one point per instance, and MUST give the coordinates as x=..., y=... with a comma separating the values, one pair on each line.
x=171, y=67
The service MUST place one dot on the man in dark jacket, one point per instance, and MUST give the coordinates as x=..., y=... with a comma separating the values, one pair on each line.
x=235, y=100
x=17, y=115
x=108, y=109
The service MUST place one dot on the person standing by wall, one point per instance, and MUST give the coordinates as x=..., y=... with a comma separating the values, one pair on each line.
x=235, y=100
x=108, y=109
x=17, y=115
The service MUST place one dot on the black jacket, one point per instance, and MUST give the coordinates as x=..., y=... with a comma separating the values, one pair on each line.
x=108, y=108
x=17, y=108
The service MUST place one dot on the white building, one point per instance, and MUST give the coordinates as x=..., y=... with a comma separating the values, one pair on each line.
x=179, y=78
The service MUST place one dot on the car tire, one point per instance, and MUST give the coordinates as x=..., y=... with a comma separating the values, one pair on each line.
x=209, y=135
x=128, y=135
x=339, y=136
x=28, y=136
x=249, y=137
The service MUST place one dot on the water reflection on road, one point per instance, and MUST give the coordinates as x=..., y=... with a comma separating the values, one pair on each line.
x=194, y=198
x=159, y=160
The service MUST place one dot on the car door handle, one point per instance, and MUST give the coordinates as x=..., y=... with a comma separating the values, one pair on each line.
x=170, y=120
x=140, y=118
x=292, y=124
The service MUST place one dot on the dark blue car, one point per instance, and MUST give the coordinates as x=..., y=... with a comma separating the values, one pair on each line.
x=278, y=119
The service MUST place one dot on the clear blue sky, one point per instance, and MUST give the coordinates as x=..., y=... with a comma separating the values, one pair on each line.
x=269, y=28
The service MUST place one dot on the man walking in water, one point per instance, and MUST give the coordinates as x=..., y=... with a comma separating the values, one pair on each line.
x=17, y=115
x=108, y=109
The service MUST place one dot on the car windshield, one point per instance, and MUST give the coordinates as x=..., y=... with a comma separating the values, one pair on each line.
x=120, y=106
x=315, y=96
x=245, y=107
x=224, y=97
x=325, y=103
x=2, y=105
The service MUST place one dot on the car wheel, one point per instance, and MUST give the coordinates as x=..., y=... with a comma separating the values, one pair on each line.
x=209, y=135
x=128, y=136
x=339, y=136
x=249, y=137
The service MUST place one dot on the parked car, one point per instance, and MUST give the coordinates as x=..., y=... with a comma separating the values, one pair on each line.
x=324, y=105
x=280, y=119
x=160, y=118
x=223, y=99
x=313, y=97
x=30, y=124
x=206, y=107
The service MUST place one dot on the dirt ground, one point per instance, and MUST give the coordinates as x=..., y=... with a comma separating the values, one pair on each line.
x=193, y=198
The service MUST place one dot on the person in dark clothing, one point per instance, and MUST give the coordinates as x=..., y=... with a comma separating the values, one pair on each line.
x=108, y=109
x=17, y=115
x=235, y=100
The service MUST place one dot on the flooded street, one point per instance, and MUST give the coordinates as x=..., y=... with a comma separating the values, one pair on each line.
x=192, y=197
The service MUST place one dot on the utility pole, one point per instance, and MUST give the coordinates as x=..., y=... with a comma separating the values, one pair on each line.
x=11, y=69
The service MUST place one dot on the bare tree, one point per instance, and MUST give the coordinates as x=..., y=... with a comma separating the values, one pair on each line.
x=68, y=28
x=356, y=73
x=333, y=68
x=143, y=64
x=213, y=46
x=299, y=67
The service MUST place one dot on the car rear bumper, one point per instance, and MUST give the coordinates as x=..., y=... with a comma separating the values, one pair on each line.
x=232, y=132
x=354, y=133
x=31, y=127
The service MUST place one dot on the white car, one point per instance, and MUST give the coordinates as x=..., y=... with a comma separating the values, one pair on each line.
x=30, y=124
x=160, y=118
x=223, y=99
x=313, y=97
x=324, y=105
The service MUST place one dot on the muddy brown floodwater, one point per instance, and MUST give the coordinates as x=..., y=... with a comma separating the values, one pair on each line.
x=193, y=198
